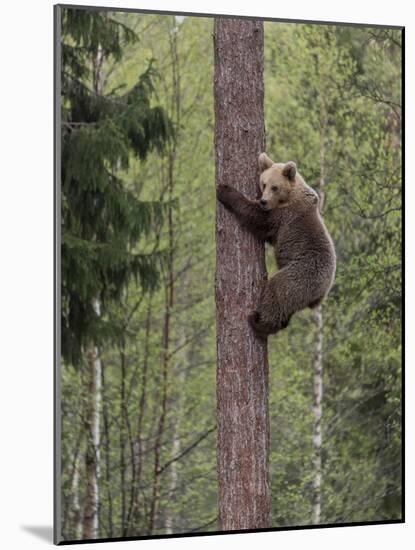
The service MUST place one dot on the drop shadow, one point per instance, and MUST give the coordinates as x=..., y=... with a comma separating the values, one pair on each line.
x=43, y=532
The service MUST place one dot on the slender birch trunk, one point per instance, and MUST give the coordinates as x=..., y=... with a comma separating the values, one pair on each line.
x=76, y=507
x=140, y=445
x=92, y=466
x=72, y=513
x=175, y=112
x=166, y=338
x=242, y=362
x=173, y=480
x=166, y=344
x=180, y=376
x=317, y=412
x=317, y=317
x=107, y=448
x=90, y=526
x=176, y=116
x=123, y=426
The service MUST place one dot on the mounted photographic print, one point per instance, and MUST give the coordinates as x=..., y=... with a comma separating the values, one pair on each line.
x=228, y=274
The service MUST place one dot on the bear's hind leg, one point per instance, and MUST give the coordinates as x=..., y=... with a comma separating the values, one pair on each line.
x=260, y=329
x=263, y=328
x=276, y=306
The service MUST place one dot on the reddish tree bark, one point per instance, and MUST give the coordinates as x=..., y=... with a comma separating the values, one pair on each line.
x=242, y=363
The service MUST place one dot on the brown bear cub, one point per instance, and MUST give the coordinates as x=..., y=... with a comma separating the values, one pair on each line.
x=287, y=216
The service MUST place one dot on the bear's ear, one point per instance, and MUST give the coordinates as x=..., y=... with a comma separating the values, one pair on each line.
x=264, y=162
x=290, y=170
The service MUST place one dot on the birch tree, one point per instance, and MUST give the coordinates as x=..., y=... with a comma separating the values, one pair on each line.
x=90, y=524
x=318, y=351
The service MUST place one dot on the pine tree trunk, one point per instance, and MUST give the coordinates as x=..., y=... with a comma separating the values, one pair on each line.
x=242, y=363
x=318, y=354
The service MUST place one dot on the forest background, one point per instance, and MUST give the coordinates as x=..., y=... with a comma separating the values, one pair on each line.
x=138, y=330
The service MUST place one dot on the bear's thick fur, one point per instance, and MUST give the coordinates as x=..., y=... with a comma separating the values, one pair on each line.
x=286, y=216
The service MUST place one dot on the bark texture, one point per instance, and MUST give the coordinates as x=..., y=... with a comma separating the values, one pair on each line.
x=242, y=363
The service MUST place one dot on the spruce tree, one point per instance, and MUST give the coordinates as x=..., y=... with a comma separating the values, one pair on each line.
x=102, y=220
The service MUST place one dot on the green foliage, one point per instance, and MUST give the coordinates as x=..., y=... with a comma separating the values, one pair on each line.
x=323, y=101
x=103, y=221
x=137, y=205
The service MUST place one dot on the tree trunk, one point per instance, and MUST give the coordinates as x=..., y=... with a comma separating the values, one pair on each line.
x=166, y=343
x=72, y=512
x=76, y=508
x=107, y=450
x=242, y=363
x=91, y=506
x=318, y=352
x=122, y=438
x=317, y=412
x=179, y=375
x=140, y=443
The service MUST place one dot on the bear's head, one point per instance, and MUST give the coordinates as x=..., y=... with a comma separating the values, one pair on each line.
x=276, y=182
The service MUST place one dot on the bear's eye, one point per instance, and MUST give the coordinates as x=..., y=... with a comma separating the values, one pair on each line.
x=274, y=188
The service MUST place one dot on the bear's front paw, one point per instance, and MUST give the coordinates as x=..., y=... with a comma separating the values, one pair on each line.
x=224, y=192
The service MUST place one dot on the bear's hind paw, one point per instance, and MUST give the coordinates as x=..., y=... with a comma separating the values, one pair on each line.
x=253, y=320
